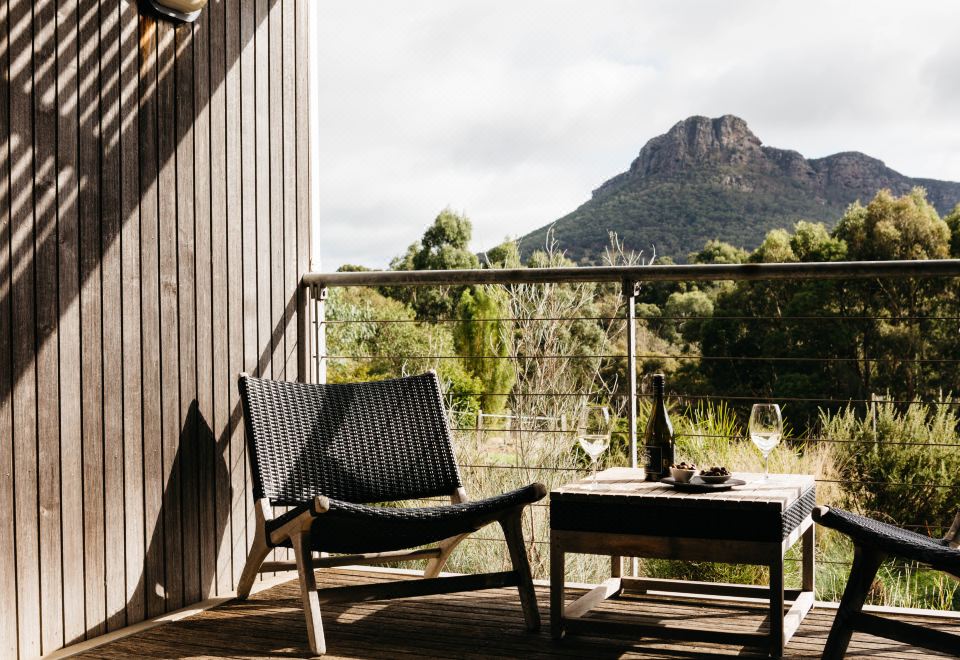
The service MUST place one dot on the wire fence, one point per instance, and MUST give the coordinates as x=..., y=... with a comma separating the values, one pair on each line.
x=509, y=442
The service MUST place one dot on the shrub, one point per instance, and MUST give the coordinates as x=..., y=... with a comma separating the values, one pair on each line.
x=898, y=465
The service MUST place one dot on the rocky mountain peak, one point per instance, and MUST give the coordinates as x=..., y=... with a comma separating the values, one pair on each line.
x=712, y=178
x=695, y=141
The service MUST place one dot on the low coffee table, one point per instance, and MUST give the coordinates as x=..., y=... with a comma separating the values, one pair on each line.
x=628, y=516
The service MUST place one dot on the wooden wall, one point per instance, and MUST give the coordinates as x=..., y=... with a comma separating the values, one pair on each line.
x=153, y=227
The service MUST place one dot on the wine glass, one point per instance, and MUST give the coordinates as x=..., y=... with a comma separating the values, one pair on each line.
x=766, y=427
x=593, y=434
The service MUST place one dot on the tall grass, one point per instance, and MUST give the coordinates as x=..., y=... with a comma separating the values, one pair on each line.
x=523, y=457
x=706, y=434
x=900, y=464
x=916, y=450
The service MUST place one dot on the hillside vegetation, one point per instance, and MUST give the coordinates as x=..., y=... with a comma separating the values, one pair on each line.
x=713, y=179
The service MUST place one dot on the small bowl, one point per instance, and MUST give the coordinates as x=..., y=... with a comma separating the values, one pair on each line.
x=716, y=479
x=682, y=476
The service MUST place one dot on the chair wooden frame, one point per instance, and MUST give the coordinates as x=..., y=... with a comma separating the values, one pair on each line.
x=297, y=531
x=851, y=617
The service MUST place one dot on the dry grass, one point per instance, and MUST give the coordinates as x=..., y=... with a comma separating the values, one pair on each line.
x=550, y=459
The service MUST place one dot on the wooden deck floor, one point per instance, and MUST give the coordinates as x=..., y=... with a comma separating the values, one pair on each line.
x=483, y=624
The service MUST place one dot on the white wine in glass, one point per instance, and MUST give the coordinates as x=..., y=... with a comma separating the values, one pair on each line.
x=766, y=428
x=593, y=434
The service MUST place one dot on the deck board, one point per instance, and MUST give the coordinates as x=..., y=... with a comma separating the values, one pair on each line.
x=482, y=624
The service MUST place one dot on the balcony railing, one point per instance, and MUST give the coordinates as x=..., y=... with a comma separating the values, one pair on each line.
x=530, y=439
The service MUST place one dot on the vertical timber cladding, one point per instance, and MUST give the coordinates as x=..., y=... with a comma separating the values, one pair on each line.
x=153, y=227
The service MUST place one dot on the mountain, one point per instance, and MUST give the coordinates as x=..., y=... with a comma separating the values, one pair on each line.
x=713, y=178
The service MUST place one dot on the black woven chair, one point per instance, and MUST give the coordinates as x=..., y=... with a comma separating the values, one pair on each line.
x=329, y=451
x=873, y=542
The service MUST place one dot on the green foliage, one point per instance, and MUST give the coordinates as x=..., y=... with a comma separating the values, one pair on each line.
x=704, y=434
x=688, y=309
x=481, y=337
x=505, y=255
x=889, y=227
x=675, y=214
x=359, y=321
x=718, y=252
x=915, y=446
x=373, y=337
x=444, y=246
x=952, y=221
x=776, y=248
x=856, y=337
x=812, y=242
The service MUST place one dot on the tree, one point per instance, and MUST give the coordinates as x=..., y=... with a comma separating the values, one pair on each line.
x=372, y=337
x=482, y=342
x=775, y=248
x=505, y=255
x=839, y=338
x=952, y=221
x=555, y=341
x=905, y=227
x=686, y=312
x=889, y=227
x=812, y=242
x=719, y=252
x=781, y=320
x=444, y=246
x=948, y=339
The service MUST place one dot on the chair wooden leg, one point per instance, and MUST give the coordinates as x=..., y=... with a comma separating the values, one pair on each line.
x=435, y=565
x=866, y=562
x=308, y=591
x=513, y=531
x=258, y=552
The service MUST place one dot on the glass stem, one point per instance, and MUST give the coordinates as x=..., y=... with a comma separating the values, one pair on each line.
x=766, y=467
x=594, y=473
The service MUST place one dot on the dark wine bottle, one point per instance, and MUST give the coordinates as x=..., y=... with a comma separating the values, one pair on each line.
x=658, y=436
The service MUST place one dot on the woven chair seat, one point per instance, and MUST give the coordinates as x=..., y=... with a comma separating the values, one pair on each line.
x=348, y=527
x=893, y=540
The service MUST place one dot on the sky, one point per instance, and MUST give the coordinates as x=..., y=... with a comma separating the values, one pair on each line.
x=513, y=111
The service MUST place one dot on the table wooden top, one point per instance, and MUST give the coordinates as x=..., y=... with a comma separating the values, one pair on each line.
x=624, y=484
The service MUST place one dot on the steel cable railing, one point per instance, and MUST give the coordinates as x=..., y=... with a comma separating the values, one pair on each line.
x=624, y=326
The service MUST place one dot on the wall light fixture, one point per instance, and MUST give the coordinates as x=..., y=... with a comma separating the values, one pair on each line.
x=180, y=11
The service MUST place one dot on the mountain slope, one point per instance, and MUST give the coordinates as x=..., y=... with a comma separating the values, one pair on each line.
x=713, y=178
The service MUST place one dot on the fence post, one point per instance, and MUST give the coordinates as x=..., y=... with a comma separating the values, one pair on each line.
x=320, y=333
x=630, y=291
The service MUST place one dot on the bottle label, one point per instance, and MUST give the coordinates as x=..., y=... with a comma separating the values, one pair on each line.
x=653, y=460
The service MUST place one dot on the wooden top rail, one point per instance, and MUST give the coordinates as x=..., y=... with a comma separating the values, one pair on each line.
x=668, y=273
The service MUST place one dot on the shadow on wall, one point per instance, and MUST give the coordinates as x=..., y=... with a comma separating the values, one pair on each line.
x=200, y=460
x=200, y=476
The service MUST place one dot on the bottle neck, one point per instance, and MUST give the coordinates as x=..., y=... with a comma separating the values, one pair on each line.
x=658, y=387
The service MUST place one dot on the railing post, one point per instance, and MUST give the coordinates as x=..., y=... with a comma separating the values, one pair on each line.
x=320, y=333
x=630, y=291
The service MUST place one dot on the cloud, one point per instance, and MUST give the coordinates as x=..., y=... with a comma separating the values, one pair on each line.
x=514, y=112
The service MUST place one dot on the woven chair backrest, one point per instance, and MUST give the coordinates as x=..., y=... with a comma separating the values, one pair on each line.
x=357, y=442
